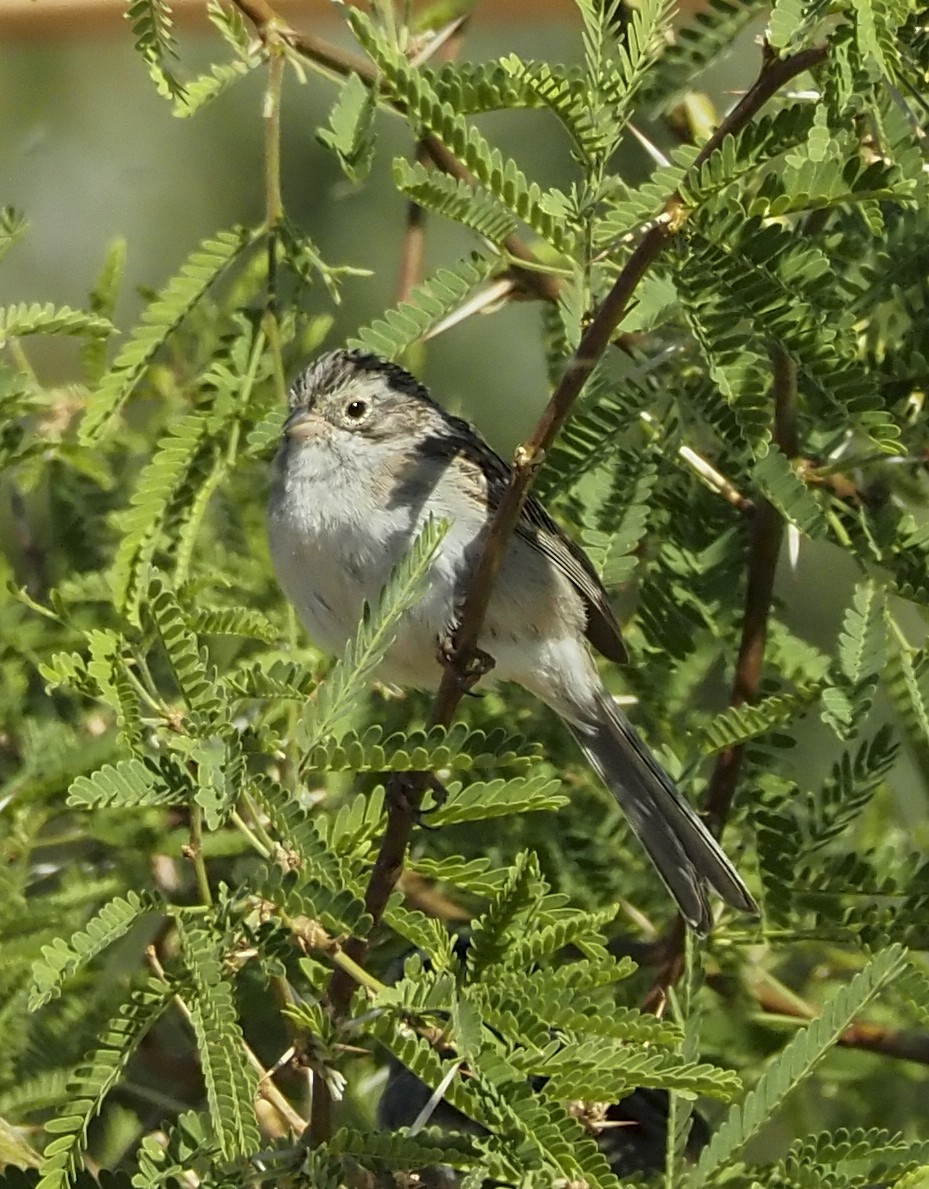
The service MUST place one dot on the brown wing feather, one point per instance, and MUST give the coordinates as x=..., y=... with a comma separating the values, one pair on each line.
x=537, y=528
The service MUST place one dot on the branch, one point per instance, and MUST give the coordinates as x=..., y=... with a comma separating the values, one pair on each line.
x=764, y=549
x=461, y=673
x=463, y=669
x=873, y=1038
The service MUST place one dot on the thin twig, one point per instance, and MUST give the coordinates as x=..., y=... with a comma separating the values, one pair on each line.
x=412, y=250
x=274, y=203
x=194, y=851
x=776, y=1000
x=764, y=549
x=266, y=1088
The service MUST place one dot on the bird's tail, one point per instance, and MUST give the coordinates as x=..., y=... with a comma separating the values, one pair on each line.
x=687, y=856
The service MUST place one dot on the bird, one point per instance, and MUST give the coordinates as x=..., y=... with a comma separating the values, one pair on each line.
x=367, y=457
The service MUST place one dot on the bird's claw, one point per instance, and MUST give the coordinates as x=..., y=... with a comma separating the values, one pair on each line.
x=405, y=792
x=468, y=670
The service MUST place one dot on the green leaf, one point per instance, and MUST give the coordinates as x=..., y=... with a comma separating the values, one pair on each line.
x=863, y=639
x=131, y=784
x=189, y=665
x=63, y=959
x=699, y=38
x=220, y=767
x=494, y=931
x=95, y=1077
x=270, y=678
x=796, y=1061
x=231, y=1083
x=397, y=1149
x=207, y=87
x=110, y=670
x=456, y=748
x=454, y=199
x=738, y=724
x=908, y=684
x=153, y=34
x=626, y=511
x=23, y=319
x=781, y=484
x=103, y=299
x=427, y=305
x=199, y=272
x=862, y=657
x=350, y=134
x=233, y=621
x=483, y=800
x=13, y=225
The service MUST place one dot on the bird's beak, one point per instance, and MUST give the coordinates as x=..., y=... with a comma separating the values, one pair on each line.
x=303, y=423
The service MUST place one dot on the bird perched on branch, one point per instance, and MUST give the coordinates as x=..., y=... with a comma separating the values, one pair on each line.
x=367, y=458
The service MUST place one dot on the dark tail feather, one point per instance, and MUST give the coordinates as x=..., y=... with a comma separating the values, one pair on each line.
x=687, y=856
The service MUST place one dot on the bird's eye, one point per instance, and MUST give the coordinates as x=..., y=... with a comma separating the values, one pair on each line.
x=356, y=409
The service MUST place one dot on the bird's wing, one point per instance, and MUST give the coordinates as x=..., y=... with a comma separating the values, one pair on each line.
x=538, y=528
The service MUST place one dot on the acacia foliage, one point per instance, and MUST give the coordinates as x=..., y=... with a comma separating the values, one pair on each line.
x=190, y=814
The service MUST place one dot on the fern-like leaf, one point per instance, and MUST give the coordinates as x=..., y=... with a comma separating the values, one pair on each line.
x=63, y=959
x=738, y=724
x=376, y=633
x=454, y=199
x=110, y=670
x=95, y=1078
x=196, y=681
x=908, y=683
x=201, y=270
x=456, y=748
x=233, y=621
x=26, y=319
x=426, y=306
x=350, y=134
x=153, y=32
x=397, y=1149
x=231, y=1084
x=796, y=1061
x=493, y=932
x=143, y=524
x=12, y=226
x=480, y=800
x=103, y=298
x=131, y=784
x=862, y=656
x=270, y=678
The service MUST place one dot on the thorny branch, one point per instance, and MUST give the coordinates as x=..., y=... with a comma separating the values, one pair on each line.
x=461, y=673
